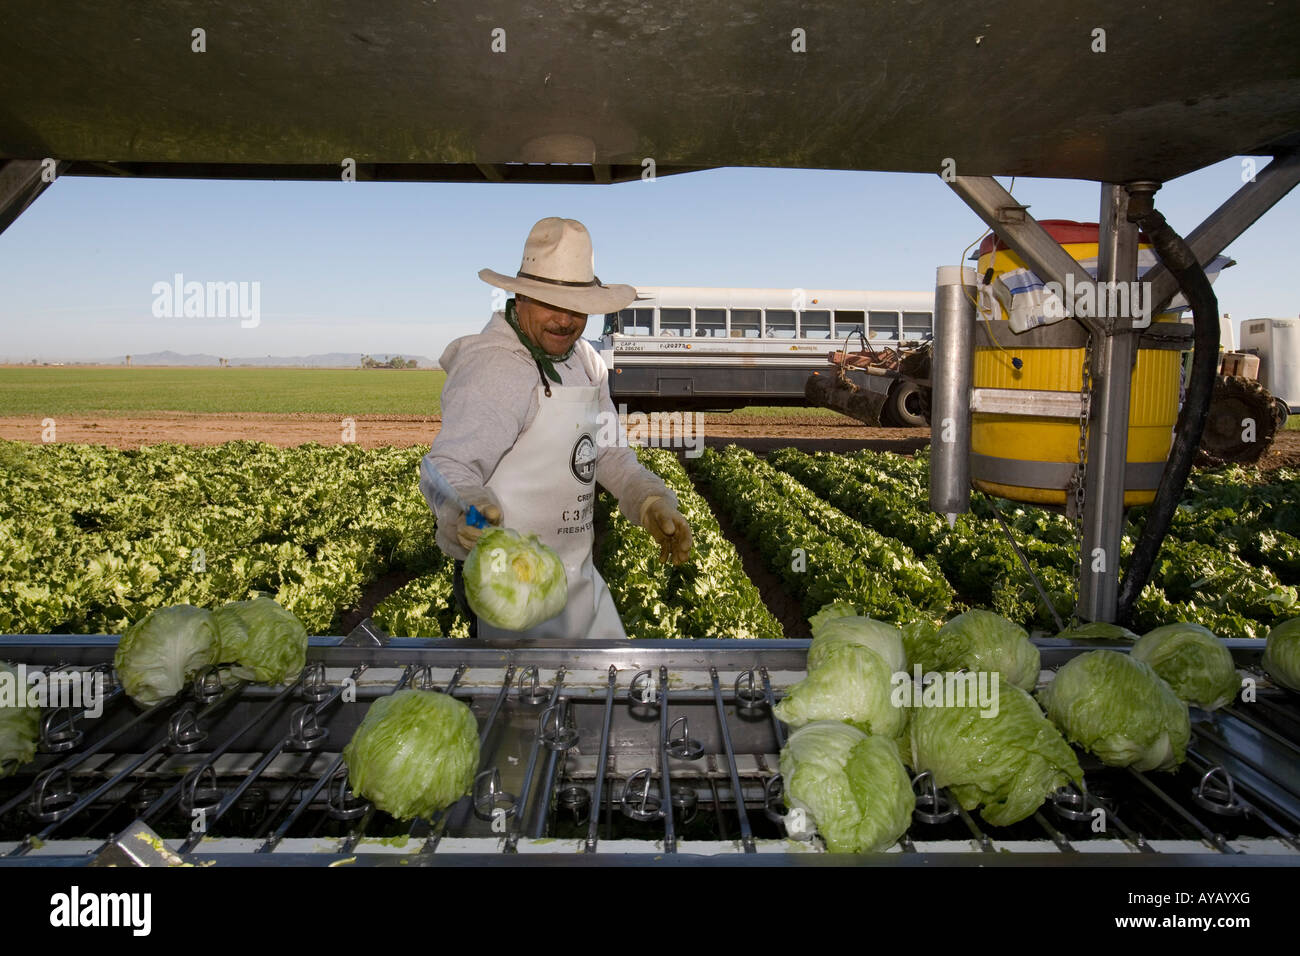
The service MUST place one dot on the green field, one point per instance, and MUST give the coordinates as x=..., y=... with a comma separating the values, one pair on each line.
x=94, y=538
x=130, y=391
x=127, y=391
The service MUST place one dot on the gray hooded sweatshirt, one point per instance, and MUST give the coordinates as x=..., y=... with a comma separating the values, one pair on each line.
x=490, y=397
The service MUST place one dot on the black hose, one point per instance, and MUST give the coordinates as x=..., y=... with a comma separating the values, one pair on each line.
x=1181, y=262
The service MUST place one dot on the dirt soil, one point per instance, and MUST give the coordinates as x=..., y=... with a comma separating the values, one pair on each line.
x=1284, y=453
x=761, y=435
x=372, y=431
x=785, y=607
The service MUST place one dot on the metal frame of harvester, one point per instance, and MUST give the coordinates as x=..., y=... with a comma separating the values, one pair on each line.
x=1113, y=341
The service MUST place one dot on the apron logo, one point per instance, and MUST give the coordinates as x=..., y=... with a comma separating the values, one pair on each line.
x=583, y=460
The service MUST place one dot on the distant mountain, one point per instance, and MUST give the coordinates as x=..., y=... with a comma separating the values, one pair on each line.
x=328, y=360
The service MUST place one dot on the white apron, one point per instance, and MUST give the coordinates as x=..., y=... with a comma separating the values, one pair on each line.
x=546, y=485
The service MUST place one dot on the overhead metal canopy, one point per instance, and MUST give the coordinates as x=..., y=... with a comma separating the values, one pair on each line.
x=413, y=90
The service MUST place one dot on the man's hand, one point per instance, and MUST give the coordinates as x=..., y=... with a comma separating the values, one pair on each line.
x=667, y=526
x=481, y=499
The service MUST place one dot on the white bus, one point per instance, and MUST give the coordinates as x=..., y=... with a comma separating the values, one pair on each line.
x=684, y=348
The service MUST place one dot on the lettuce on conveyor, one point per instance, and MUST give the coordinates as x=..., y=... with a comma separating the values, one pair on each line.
x=415, y=753
x=852, y=684
x=1193, y=662
x=158, y=654
x=831, y=633
x=851, y=666
x=1120, y=709
x=1282, y=654
x=1007, y=763
x=20, y=726
x=266, y=643
x=854, y=787
x=979, y=641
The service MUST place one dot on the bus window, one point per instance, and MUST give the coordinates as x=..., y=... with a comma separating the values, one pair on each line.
x=918, y=325
x=815, y=325
x=611, y=323
x=711, y=322
x=632, y=321
x=883, y=323
x=780, y=323
x=847, y=321
x=744, y=323
x=674, y=321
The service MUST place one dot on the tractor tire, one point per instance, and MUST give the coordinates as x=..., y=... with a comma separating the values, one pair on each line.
x=1242, y=421
x=907, y=407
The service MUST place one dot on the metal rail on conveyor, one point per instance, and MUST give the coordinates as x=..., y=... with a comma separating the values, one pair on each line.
x=626, y=751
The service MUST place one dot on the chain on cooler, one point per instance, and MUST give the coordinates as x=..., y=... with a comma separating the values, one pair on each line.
x=1081, y=469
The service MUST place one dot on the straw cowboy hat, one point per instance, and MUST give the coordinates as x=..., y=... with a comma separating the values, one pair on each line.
x=558, y=269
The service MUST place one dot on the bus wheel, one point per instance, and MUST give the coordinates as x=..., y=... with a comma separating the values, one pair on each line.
x=907, y=405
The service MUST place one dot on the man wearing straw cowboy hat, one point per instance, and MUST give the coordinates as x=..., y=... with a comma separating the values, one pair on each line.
x=521, y=409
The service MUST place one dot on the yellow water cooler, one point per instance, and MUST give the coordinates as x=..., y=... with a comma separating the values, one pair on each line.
x=1033, y=458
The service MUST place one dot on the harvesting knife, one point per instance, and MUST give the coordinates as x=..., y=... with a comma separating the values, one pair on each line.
x=473, y=517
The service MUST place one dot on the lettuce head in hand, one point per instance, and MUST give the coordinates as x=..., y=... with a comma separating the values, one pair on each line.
x=513, y=581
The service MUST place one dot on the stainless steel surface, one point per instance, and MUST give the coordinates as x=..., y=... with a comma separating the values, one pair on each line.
x=1114, y=352
x=602, y=761
x=137, y=845
x=1024, y=401
x=952, y=373
x=665, y=767
x=245, y=796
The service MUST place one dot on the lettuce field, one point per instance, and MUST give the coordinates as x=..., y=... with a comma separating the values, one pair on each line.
x=93, y=538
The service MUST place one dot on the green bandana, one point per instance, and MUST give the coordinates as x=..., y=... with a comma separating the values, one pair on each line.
x=537, y=352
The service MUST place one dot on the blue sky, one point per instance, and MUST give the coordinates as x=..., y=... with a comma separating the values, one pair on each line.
x=391, y=267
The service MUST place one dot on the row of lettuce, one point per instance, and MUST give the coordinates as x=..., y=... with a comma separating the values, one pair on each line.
x=973, y=723
x=92, y=539
x=857, y=527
